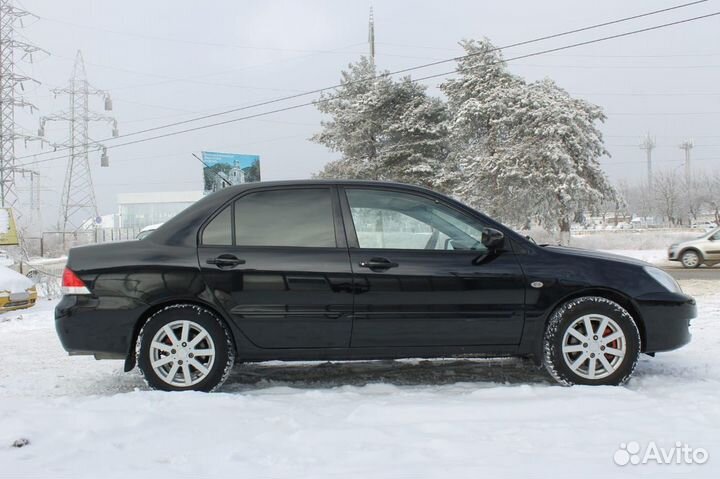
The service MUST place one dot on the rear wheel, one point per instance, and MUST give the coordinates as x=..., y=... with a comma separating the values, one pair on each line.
x=591, y=340
x=184, y=347
x=690, y=259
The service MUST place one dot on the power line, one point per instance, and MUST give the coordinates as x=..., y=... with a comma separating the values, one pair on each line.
x=320, y=101
x=316, y=102
x=589, y=42
x=195, y=42
x=418, y=67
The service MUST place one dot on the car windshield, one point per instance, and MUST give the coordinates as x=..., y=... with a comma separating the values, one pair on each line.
x=709, y=234
x=714, y=233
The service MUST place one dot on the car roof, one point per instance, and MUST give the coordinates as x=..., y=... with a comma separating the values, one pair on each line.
x=181, y=227
x=318, y=182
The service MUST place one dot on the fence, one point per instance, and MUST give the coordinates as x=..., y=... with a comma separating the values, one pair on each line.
x=46, y=272
x=48, y=254
x=57, y=243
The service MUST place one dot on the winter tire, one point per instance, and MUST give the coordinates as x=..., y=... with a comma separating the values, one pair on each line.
x=591, y=340
x=184, y=347
x=690, y=259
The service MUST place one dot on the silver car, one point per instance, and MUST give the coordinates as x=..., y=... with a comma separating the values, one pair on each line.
x=702, y=250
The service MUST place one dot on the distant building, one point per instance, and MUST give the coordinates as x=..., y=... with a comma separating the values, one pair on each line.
x=137, y=210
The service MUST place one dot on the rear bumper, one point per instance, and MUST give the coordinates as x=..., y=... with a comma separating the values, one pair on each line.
x=666, y=318
x=87, y=326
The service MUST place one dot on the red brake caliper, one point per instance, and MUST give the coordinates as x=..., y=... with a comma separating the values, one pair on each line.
x=613, y=344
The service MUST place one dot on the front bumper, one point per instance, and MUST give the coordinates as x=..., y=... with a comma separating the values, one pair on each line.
x=12, y=303
x=672, y=254
x=88, y=325
x=666, y=317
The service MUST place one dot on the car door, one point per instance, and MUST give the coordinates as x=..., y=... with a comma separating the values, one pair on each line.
x=422, y=276
x=277, y=262
x=712, y=247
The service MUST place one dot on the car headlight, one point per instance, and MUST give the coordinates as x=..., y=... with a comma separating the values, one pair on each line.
x=665, y=280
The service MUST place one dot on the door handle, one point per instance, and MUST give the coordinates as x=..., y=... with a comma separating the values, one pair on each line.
x=225, y=261
x=378, y=264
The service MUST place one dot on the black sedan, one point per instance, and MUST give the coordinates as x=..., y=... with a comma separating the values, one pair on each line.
x=341, y=270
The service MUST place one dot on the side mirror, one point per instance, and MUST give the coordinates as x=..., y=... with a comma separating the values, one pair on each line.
x=493, y=239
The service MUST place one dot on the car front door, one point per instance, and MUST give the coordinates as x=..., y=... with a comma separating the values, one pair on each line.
x=277, y=262
x=423, y=277
x=712, y=247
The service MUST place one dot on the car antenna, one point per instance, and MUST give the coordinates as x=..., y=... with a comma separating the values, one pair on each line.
x=215, y=172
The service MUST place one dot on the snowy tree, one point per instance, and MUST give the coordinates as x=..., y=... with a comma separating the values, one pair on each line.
x=668, y=193
x=712, y=186
x=639, y=199
x=384, y=129
x=525, y=151
x=696, y=194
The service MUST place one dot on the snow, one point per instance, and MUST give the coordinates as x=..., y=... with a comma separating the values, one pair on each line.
x=445, y=418
x=12, y=281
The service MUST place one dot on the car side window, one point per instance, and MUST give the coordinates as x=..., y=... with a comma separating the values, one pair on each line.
x=292, y=217
x=397, y=220
x=219, y=231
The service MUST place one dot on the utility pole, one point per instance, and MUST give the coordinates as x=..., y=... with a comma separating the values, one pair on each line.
x=10, y=98
x=687, y=145
x=648, y=144
x=78, y=204
x=371, y=36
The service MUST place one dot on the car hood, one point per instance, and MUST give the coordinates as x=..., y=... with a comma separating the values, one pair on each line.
x=594, y=254
x=13, y=282
x=695, y=241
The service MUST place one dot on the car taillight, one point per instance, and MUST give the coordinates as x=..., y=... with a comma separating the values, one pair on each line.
x=72, y=284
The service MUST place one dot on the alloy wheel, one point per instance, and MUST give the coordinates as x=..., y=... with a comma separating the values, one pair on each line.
x=690, y=259
x=594, y=346
x=182, y=353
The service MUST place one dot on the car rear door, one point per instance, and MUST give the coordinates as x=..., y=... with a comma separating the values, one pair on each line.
x=276, y=260
x=422, y=277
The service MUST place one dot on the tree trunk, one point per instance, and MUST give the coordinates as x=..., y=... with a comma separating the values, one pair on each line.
x=564, y=231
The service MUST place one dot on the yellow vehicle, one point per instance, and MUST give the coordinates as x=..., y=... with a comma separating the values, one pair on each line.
x=16, y=290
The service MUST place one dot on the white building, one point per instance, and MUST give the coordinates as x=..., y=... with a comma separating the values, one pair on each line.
x=137, y=210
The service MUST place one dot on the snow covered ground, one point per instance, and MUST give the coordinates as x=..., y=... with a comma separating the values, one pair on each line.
x=449, y=419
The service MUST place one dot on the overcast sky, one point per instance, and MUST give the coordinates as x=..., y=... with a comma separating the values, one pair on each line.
x=169, y=60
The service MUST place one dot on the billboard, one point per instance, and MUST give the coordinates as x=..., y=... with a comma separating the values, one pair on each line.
x=225, y=169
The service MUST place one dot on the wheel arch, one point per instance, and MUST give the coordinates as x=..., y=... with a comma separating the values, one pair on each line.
x=131, y=360
x=611, y=294
x=691, y=248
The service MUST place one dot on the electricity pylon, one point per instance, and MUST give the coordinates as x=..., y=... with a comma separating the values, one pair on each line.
x=10, y=98
x=78, y=207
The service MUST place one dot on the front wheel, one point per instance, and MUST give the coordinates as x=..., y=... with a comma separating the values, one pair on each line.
x=591, y=340
x=690, y=259
x=184, y=347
